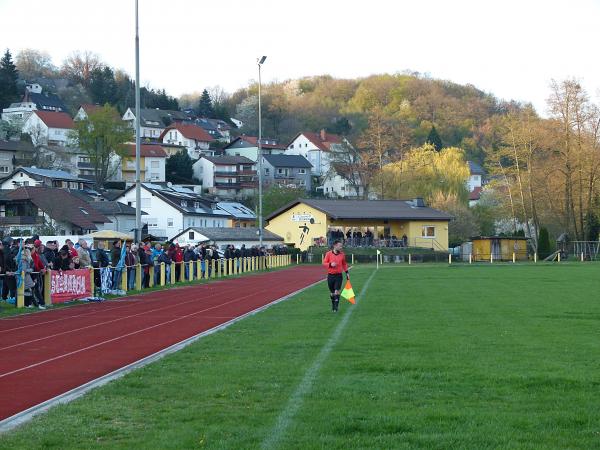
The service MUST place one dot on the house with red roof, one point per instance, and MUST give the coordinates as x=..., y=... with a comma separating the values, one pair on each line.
x=49, y=127
x=318, y=148
x=152, y=163
x=194, y=138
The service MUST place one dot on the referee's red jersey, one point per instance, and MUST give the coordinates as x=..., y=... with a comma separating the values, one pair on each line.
x=339, y=260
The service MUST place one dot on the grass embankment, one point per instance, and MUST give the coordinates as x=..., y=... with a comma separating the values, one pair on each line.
x=469, y=357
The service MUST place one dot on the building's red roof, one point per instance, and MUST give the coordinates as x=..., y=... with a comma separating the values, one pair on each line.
x=54, y=119
x=147, y=151
x=475, y=194
x=322, y=140
x=189, y=131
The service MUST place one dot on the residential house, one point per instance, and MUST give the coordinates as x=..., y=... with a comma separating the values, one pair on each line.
x=31, y=207
x=152, y=163
x=43, y=101
x=49, y=128
x=172, y=149
x=85, y=110
x=121, y=216
x=335, y=186
x=217, y=128
x=153, y=121
x=17, y=113
x=287, y=170
x=192, y=137
x=226, y=176
x=476, y=174
x=32, y=176
x=222, y=237
x=248, y=146
x=9, y=152
x=170, y=210
x=241, y=215
x=318, y=148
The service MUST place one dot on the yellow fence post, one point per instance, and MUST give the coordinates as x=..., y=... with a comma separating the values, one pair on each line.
x=92, y=280
x=581, y=256
x=172, y=273
x=162, y=274
x=48, y=286
x=21, y=292
x=181, y=271
x=229, y=266
x=151, y=275
x=535, y=257
x=138, y=277
x=213, y=274
x=491, y=258
x=124, y=279
x=470, y=258
x=449, y=258
x=514, y=258
x=558, y=254
x=409, y=259
x=199, y=270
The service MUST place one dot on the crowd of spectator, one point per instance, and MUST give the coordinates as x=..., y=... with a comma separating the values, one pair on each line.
x=356, y=238
x=36, y=258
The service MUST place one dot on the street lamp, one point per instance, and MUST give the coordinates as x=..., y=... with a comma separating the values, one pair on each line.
x=138, y=189
x=260, y=61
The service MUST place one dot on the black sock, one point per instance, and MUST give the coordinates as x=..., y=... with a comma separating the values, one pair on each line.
x=336, y=301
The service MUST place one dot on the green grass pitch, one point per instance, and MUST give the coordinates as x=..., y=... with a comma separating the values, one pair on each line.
x=444, y=357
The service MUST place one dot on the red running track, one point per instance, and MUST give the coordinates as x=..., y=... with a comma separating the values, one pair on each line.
x=46, y=354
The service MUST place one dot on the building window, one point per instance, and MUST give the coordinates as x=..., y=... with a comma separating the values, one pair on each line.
x=302, y=171
x=170, y=222
x=196, y=204
x=184, y=203
x=191, y=235
x=428, y=231
x=266, y=171
x=154, y=164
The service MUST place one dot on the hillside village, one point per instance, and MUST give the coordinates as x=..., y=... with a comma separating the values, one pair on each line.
x=44, y=153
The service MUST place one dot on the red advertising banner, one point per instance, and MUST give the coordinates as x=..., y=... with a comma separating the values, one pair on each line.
x=70, y=285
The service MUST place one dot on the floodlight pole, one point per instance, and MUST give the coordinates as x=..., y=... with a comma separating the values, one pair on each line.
x=260, y=61
x=138, y=188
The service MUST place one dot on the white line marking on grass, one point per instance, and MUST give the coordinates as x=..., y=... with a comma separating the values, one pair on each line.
x=295, y=402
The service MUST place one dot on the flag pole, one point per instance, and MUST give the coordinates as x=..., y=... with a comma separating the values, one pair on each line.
x=377, y=255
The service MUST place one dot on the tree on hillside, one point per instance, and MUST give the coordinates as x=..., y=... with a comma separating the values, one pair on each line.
x=434, y=139
x=178, y=168
x=274, y=197
x=544, y=247
x=79, y=65
x=102, y=136
x=8, y=80
x=102, y=86
x=33, y=64
x=205, y=106
x=464, y=224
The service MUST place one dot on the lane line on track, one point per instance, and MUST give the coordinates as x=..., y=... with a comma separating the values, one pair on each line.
x=107, y=341
x=20, y=418
x=306, y=384
x=118, y=319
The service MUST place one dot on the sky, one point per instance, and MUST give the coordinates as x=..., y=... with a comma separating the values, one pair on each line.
x=512, y=49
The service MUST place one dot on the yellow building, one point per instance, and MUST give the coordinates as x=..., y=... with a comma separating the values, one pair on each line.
x=500, y=247
x=152, y=163
x=307, y=222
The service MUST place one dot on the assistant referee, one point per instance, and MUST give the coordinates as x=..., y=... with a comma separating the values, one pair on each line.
x=335, y=261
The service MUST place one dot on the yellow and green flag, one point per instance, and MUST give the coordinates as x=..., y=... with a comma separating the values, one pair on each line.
x=348, y=293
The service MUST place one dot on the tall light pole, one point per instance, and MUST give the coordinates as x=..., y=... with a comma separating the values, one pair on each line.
x=261, y=61
x=138, y=188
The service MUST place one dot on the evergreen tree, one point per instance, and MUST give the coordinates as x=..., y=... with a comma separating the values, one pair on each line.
x=8, y=80
x=205, y=106
x=434, y=139
x=592, y=226
x=178, y=168
x=103, y=87
x=544, y=248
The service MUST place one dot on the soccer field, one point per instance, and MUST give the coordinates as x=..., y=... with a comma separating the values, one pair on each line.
x=465, y=357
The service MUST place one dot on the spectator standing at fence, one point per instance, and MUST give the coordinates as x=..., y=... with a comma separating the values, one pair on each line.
x=85, y=260
x=2, y=268
x=177, y=260
x=131, y=259
x=188, y=256
x=27, y=267
x=39, y=269
x=71, y=247
x=64, y=260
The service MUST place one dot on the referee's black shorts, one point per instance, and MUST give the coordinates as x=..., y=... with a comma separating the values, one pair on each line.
x=334, y=281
